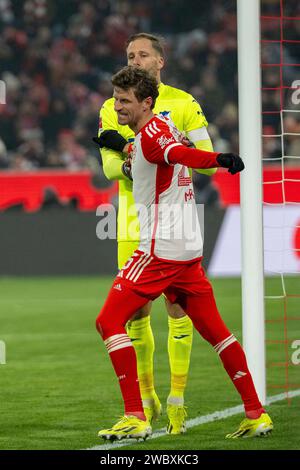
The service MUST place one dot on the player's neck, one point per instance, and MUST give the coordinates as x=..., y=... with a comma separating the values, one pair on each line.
x=142, y=122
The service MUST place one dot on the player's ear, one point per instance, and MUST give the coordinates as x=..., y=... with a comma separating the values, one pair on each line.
x=160, y=62
x=147, y=103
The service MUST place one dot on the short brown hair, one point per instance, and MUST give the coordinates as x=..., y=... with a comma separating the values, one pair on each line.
x=143, y=84
x=157, y=42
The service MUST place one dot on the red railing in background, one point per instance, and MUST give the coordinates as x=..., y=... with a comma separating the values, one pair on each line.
x=28, y=189
x=278, y=186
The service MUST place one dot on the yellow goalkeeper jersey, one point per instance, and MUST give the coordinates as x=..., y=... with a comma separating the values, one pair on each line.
x=187, y=115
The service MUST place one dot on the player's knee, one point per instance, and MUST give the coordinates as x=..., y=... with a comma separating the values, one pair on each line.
x=174, y=310
x=103, y=325
x=107, y=327
x=142, y=312
x=99, y=326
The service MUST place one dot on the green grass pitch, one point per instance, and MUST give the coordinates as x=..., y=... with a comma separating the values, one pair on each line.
x=58, y=387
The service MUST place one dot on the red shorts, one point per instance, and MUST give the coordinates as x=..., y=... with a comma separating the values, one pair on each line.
x=149, y=277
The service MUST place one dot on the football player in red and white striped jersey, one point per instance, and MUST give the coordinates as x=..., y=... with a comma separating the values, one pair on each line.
x=168, y=259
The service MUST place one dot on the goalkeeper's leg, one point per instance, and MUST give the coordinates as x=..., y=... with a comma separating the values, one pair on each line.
x=179, y=347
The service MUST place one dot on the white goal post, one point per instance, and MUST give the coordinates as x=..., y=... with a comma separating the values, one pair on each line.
x=250, y=138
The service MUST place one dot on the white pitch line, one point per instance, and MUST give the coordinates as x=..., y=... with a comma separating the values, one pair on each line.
x=217, y=415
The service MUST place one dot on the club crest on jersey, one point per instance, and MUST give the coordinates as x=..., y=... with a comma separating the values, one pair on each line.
x=163, y=141
x=165, y=114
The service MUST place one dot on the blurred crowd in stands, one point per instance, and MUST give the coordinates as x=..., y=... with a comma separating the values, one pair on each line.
x=56, y=59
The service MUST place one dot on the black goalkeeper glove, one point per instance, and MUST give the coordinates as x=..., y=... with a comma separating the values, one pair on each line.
x=111, y=139
x=232, y=161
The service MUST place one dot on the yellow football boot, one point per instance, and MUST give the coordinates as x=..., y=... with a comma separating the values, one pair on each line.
x=177, y=415
x=128, y=427
x=261, y=426
x=152, y=408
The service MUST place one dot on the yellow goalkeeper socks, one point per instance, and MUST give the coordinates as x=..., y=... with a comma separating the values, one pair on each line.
x=140, y=333
x=179, y=347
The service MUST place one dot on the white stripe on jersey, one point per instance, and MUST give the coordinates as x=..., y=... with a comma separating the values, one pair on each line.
x=148, y=132
x=154, y=125
x=152, y=129
x=167, y=150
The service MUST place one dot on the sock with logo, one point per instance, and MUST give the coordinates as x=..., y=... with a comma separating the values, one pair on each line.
x=123, y=359
x=179, y=347
x=140, y=333
x=207, y=320
x=234, y=361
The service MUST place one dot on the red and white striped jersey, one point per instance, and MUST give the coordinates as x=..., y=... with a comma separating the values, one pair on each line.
x=164, y=195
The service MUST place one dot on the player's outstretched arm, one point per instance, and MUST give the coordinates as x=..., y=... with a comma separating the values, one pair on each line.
x=205, y=145
x=195, y=158
x=232, y=161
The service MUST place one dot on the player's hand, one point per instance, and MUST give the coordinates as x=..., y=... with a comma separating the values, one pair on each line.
x=126, y=168
x=111, y=139
x=185, y=141
x=232, y=161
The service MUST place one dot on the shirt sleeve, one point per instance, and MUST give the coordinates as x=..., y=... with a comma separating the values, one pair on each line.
x=192, y=158
x=112, y=160
x=205, y=145
x=163, y=149
x=194, y=118
x=156, y=147
x=195, y=126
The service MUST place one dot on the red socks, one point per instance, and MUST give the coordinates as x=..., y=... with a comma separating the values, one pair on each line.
x=234, y=361
x=123, y=358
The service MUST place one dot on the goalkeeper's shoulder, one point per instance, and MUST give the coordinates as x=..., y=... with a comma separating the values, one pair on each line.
x=108, y=107
x=176, y=93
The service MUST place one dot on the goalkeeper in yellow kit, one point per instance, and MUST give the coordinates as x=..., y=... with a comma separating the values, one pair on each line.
x=146, y=51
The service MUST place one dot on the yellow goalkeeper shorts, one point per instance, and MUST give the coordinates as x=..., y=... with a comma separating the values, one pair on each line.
x=125, y=251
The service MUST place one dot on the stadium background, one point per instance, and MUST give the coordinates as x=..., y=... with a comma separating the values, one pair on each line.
x=56, y=64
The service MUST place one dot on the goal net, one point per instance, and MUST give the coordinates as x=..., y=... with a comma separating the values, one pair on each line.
x=280, y=62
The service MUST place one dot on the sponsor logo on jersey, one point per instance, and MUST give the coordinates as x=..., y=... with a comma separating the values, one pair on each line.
x=182, y=179
x=163, y=141
x=188, y=195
